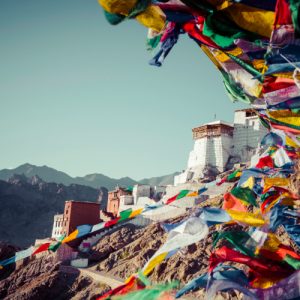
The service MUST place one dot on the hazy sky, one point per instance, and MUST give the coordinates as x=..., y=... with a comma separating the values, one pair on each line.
x=77, y=94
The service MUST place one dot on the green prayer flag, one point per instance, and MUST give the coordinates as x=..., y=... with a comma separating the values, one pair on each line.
x=240, y=240
x=224, y=32
x=55, y=246
x=246, y=67
x=233, y=176
x=295, y=8
x=124, y=215
x=293, y=262
x=182, y=194
x=235, y=92
x=244, y=194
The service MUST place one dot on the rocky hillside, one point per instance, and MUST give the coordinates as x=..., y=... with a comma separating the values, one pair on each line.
x=46, y=279
x=93, y=180
x=120, y=254
x=27, y=206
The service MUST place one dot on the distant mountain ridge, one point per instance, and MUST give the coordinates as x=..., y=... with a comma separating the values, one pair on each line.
x=96, y=180
x=27, y=206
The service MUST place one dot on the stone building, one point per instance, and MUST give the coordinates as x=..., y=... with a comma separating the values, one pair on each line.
x=212, y=145
x=75, y=213
x=247, y=134
x=218, y=145
x=113, y=202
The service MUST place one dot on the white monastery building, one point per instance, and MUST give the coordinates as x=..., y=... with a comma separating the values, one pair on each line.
x=218, y=145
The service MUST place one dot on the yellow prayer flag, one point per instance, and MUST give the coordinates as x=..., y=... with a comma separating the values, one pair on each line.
x=249, y=183
x=192, y=194
x=223, y=57
x=285, y=116
x=276, y=181
x=211, y=56
x=154, y=262
x=72, y=236
x=152, y=17
x=272, y=243
x=291, y=142
x=264, y=283
x=251, y=18
x=258, y=63
x=250, y=219
x=288, y=75
x=136, y=213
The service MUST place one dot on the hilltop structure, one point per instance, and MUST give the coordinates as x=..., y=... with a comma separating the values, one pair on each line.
x=219, y=145
x=113, y=202
x=134, y=197
x=75, y=213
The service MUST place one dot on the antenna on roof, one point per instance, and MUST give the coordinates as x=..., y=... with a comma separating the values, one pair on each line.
x=215, y=116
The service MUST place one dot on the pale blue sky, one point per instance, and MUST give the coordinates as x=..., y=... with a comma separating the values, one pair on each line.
x=77, y=94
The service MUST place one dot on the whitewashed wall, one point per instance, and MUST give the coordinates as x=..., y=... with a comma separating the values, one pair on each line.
x=213, y=151
x=141, y=191
x=247, y=135
x=57, y=226
x=198, y=154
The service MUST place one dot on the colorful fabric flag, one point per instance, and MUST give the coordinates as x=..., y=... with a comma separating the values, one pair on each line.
x=180, y=195
x=231, y=202
x=186, y=233
x=212, y=216
x=222, y=272
x=23, y=254
x=83, y=230
x=265, y=161
x=42, y=248
x=244, y=194
x=274, y=181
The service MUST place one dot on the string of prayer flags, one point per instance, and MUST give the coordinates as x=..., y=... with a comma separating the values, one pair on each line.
x=186, y=233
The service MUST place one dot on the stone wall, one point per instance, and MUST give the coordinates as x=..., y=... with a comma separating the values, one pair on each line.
x=247, y=135
x=141, y=191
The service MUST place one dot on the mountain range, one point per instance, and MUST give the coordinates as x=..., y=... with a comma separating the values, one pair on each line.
x=29, y=204
x=96, y=180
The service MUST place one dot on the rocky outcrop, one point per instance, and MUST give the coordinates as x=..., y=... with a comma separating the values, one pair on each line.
x=127, y=250
x=44, y=279
x=27, y=206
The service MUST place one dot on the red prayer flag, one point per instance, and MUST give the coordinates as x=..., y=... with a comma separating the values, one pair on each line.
x=259, y=267
x=42, y=248
x=282, y=13
x=172, y=199
x=130, y=286
x=279, y=254
x=265, y=161
x=111, y=222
